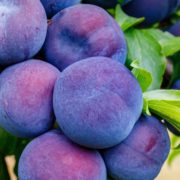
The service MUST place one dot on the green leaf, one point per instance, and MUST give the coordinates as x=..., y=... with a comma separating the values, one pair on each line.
x=144, y=48
x=172, y=156
x=176, y=65
x=120, y=1
x=8, y=143
x=171, y=46
x=174, y=140
x=169, y=96
x=109, y=178
x=175, y=149
x=11, y=145
x=111, y=11
x=20, y=147
x=165, y=104
x=125, y=21
x=169, y=43
x=166, y=111
x=146, y=107
x=178, y=12
x=160, y=36
x=142, y=75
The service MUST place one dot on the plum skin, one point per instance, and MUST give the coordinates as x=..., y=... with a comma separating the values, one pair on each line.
x=105, y=3
x=26, y=98
x=142, y=154
x=175, y=29
x=76, y=33
x=173, y=5
x=153, y=10
x=23, y=28
x=52, y=7
x=52, y=156
x=97, y=102
x=176, y=85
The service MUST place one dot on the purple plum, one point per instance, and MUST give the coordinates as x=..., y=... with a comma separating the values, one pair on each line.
x=175, y=29
x=106, y=3
x=97, y=102
x=26, y=98
x=54, y=157
x=176, y=85
x=173, y=5
x=153, y=10
x=52, y=7
x=142, y=154
x=23, y=28
x=76, y=33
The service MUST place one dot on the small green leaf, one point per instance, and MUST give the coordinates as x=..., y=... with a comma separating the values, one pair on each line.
x=169, y=43
x=125, y=21
x=173, y=154
x=109, y=178
x=146, y=107
x=176, y=64
x=120, y=1
x=177, y=147
x=166, y=111
x=159, y=35
x=171, y=46
x=7, y=148
x=142, y=75
x=169, y=96
x=178, y=12
x=11, y=145
x=20, y=147
x=111, y=11
x=144, y=48
x=174, y=140
x=165, y=104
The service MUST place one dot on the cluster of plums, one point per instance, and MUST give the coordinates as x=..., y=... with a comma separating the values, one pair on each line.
x=96, y=100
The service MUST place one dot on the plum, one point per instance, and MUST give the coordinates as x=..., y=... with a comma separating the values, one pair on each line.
x=76, y=33
x=175, y=29
x=23, y=28
x=123, y=2
x=173, y=5
x=54, y=6
x=153, y=10
x=142, y=154
x=176, y=85
x=106, y=3
x=102, y=3
x=54, y=157
x=97, y=102
x=26, y=98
